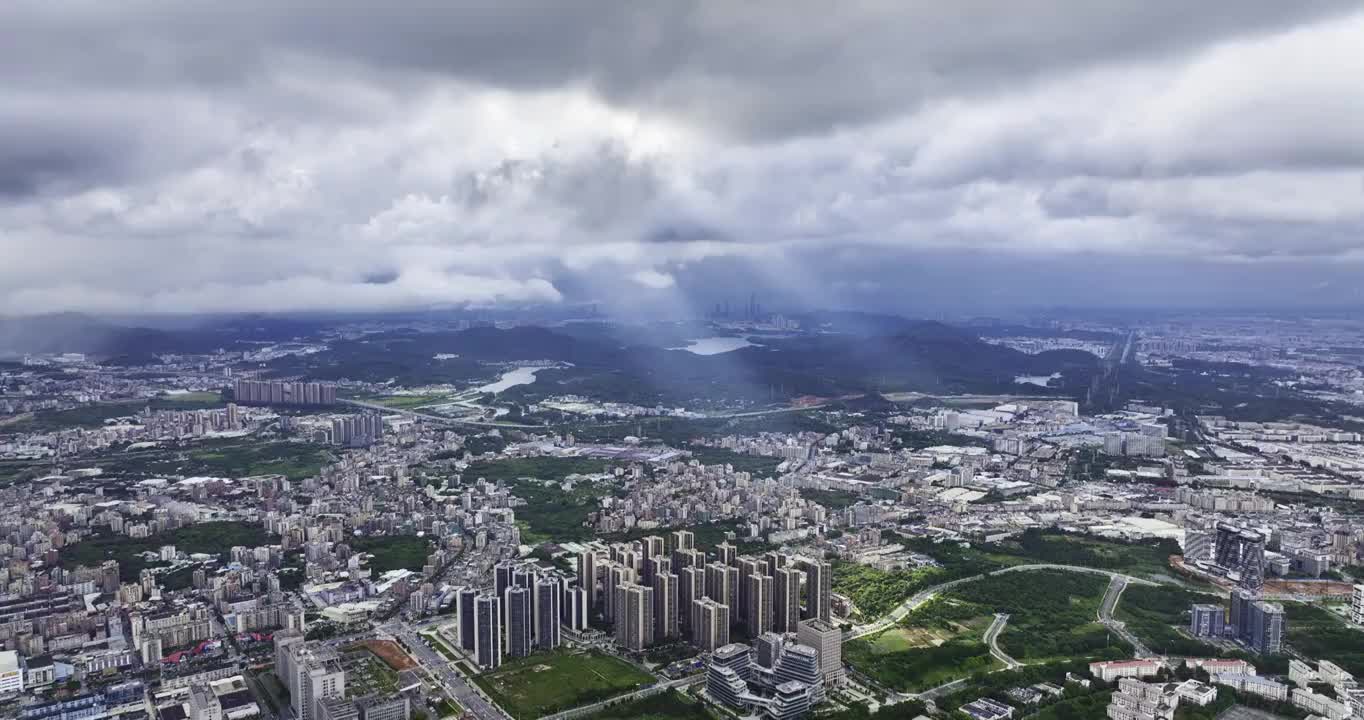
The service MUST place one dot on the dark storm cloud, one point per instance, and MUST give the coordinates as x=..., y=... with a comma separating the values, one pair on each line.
x=186, y=156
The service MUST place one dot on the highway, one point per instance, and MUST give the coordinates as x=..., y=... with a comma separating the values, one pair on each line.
x=1110, y=602
x=918, y=599
x=641, y=693
x=992, y=638
x=469, y=697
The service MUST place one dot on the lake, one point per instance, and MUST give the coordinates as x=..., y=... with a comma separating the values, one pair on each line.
x=510, y=379
x=715, y=345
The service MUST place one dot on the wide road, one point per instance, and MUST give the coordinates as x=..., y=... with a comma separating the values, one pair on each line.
x=470, y=698
x=641, y=693
x=433, y=417
x=992, y=640
x=1106, y=608
x=918, y=599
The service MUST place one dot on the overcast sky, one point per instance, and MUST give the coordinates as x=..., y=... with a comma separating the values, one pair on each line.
x=185, y=156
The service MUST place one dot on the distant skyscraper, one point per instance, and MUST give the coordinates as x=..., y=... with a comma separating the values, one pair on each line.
x=818, y=589
x=682, y=540
x=587, y=578
x=465, y=599
x=786, y=600
x=710, y=624
x=759, y=604
x=665, y=587
x=726, y=553
x=720, y=582
x=488, y=632
x=747, y=567
x=691, y=587
x=547, y=611
x=653, y=546
x=634, y=616
x=575, y=608
x=518, y=603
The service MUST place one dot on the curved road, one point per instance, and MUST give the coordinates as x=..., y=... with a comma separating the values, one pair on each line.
x=923, y=596
x=992, y=640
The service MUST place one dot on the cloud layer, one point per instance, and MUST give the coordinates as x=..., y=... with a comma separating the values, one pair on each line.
x=192, y=157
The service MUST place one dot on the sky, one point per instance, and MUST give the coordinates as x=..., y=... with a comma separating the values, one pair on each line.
x=920, y=157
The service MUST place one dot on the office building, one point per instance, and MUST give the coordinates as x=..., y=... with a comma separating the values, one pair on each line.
x=1266, y=628
x=1357, y=605
x=1207, y=621
x=827, y=642
x=790, y=700
x=310, y=672
x=337, y=709
x=634, y=617
x=518, y=604
x=800, y=663
x=547, y=613
x=384, y=707
x=464, y=606
x=488, y=632
x=587, y=578
x=786, y=600
x=766, y=649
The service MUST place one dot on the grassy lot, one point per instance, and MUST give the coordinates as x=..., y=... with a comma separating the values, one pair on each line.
x=548, y=683
x=939, y=642
x=447, y=708
x=88, y=416
x=875, y=592
x=550, y=513
x=393, y=552
x=368, y=675
x=1321, y=635
x=741, y=462
x=1051, y=614
x=832, y=499
x=293, y=460
x=187, y=401
x=406, y=402
x=215, y=538
x=664, y=706
x=1153, y=613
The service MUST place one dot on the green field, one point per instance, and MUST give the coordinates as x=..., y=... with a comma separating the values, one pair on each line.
x=88, y=416
x=214, y=538
x=876, y=592
x=295, y=461
x=1052, y=613
x=1051, y=617
x=187, y=401
x=550, y=513
x=407, y=402
x=741, y=462
x=1153, y=613
x=832, y=499
x=548, y=683
x=1321, y=635
x=663, y=706
x=393, y=552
